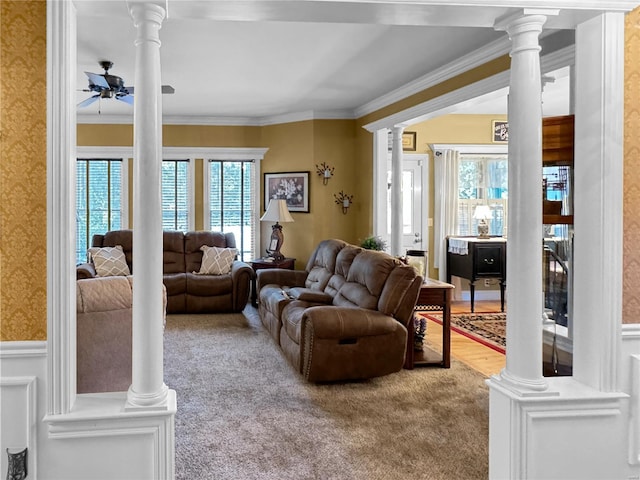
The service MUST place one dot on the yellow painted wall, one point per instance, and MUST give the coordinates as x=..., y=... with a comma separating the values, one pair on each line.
x=296, y=146
x=23, y=165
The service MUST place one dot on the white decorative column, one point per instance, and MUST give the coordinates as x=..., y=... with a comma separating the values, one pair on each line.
x=147, y=389
x=524, y=250
x=396, y=190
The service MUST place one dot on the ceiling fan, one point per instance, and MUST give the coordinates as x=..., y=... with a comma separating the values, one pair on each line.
x=111, y=86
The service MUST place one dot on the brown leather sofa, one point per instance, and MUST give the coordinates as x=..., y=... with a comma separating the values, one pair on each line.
x=187, y=292
x=345, y=316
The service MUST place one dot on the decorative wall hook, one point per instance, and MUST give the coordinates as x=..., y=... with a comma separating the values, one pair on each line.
x=325, y=171
x=344, y=200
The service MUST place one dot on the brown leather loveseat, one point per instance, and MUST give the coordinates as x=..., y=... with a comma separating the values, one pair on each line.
x=345, y=316
x=187, y=291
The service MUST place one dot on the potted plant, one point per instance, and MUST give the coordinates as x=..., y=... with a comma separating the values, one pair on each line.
x=373, y=242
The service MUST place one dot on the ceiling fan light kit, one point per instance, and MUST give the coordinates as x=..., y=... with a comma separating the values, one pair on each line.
x=111, y=86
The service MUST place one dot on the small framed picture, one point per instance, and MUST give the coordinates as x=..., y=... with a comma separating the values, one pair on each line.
x=500, y=131
x=291, y=186
x=408, y=141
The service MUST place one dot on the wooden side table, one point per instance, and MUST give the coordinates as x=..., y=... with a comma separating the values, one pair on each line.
x=434, y=296
x=259, y=264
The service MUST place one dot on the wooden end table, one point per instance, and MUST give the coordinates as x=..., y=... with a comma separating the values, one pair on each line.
x=434, y=296
x=261, y=263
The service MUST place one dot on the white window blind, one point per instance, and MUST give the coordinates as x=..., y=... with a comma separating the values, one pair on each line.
x=482, y=180
x=175, y=195
x=232, y=205
x=99, y=200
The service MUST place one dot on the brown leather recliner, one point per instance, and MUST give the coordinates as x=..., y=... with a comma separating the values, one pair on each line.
x=187, y=292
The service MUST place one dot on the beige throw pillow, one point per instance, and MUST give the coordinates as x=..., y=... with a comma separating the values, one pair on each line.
x=109, y=261
x=216, y=260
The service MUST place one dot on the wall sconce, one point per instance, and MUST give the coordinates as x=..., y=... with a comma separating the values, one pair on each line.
x=325, y=171
x=344, y=200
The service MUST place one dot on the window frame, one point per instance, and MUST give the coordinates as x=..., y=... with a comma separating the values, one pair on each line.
x=256, y=155
x=123, y=154
x=482, y=159
x=180, y=155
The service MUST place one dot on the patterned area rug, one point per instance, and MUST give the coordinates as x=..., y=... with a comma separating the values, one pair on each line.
x=486, y=328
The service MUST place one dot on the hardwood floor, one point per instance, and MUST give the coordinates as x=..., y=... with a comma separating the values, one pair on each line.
x=483, y=359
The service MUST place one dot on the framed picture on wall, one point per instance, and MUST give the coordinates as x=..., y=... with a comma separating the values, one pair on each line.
x=292, y=186
x=408, y=141
x=500, y=131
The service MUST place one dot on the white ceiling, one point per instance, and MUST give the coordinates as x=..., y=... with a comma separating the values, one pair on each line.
x=225, y=70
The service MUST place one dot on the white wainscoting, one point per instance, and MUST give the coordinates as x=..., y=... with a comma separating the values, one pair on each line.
x=21, y=364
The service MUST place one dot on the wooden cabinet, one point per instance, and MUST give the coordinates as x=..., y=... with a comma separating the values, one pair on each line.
x=476, y=259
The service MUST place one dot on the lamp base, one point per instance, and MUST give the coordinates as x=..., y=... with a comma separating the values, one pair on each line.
x=275, y=243
x=483, y=229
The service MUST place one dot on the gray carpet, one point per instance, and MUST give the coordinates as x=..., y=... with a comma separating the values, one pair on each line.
x=244, y=413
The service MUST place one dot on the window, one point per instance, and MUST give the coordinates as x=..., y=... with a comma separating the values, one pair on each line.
x=231, y=202
x=176, y=211
x=100, y=204
x=482, y=180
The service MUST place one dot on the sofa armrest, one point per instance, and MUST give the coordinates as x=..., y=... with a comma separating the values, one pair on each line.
x=85, y=270
x=347, y=322
x=241, y=275
x=281, y=277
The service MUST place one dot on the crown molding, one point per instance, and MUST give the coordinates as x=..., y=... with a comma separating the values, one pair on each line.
x=88, y=119
x=473, y=59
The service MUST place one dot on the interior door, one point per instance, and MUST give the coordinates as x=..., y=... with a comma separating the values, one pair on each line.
x=413, y=218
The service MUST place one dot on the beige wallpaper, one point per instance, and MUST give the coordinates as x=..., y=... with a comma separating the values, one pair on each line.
x=631, y=206
x=23, y=181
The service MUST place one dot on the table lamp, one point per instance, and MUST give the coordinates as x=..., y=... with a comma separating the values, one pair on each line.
x=277, y=211
x=482, y=213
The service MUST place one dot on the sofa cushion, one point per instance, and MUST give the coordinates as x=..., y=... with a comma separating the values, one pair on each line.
x=367, y=277
x=343, y=264
x=193, y=241
x=322, y=264
x=103, y=294
x=175, y=283
x=216, y=260
x=109, y=261
x=173, y=252
x=208, y=285
x=117, y=237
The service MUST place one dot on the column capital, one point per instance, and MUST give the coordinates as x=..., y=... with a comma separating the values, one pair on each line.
x=524, y=17
x=152, y=11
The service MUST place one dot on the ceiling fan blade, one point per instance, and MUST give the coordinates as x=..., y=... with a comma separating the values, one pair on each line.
x=125, y=98
x=165, y=89
x=97, y=79
x=88, y=101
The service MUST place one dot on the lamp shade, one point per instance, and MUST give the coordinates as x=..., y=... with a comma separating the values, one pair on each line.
x=277, y=211
x=482, y=212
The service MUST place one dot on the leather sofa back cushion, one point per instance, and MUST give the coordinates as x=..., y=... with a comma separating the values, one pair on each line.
x=366, y=279
x=193, y=241
x=343, y=264
x=322, y=264
x=173, y=252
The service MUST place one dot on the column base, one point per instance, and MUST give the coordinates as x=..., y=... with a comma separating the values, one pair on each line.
x=521, y=387
x=156, y=401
